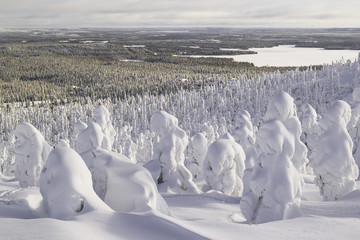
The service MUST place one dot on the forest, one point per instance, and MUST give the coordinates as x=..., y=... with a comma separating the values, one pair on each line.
x=65, y=65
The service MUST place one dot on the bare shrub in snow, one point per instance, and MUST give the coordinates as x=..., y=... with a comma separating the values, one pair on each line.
x=224, y=166
x=169, y=152
x=31, y=151
x=331, y=157
x=66, y=186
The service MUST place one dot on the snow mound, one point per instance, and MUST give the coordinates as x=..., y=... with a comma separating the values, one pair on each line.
x=281, y=107
x=31, y=151
x=66, y=186
x=124, y=186
x=25, y=203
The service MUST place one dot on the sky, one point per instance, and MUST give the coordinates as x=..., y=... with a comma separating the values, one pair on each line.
x=179, y=13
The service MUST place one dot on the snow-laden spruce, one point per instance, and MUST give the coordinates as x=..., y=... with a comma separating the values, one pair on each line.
x=275, y=185
x=224, y=166
x=243, y=133
x=66, y=186
x=169, y=152
x=101, y=116
x=196, y=150
x=123, y=185
x=354, y=124
x=282, y=108
x=31, y=151
x=331, y=158
x=309, y=124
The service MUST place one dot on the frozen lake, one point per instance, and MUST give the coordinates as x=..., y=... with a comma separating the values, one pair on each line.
x=289, y=55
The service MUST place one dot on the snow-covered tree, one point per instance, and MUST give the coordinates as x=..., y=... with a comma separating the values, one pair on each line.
x=354, y=124
x=66, y=186
x=331, y=158
x=169, y=152
x=197, y=149
x=31, y=151
x=224, y=166
x=274, y=184
x=101, y=116
x=145, y=147
x=79, y=126
x=243, y=133
x=282, y=108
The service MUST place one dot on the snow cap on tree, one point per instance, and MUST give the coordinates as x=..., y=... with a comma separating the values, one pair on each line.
x=162, y=122
x=338, y=113
x=90, y=138
x=281, y=107
x=309, y=118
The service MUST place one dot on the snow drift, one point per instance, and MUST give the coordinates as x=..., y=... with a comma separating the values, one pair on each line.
x=66, y=186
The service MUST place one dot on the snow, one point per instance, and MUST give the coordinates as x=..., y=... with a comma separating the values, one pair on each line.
x=203, y=216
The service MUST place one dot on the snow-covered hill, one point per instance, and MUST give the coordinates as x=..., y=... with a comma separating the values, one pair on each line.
x=282, y=169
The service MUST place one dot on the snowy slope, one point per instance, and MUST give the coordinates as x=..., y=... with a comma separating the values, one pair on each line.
x=209, y=215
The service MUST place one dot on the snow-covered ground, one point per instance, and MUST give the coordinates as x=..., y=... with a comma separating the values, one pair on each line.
x=192, y=216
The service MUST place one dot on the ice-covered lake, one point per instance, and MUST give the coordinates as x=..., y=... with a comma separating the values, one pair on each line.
x=289, y=55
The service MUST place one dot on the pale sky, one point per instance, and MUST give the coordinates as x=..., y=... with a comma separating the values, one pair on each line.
x=178, y=13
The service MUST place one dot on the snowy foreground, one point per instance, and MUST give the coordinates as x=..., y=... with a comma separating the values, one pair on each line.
x=203, y=216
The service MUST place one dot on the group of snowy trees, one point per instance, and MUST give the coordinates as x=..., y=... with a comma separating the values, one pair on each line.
x=90, y=178
x=260, y=158
x=270, y=185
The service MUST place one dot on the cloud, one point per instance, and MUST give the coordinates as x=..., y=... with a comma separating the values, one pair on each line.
x=138, y=13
